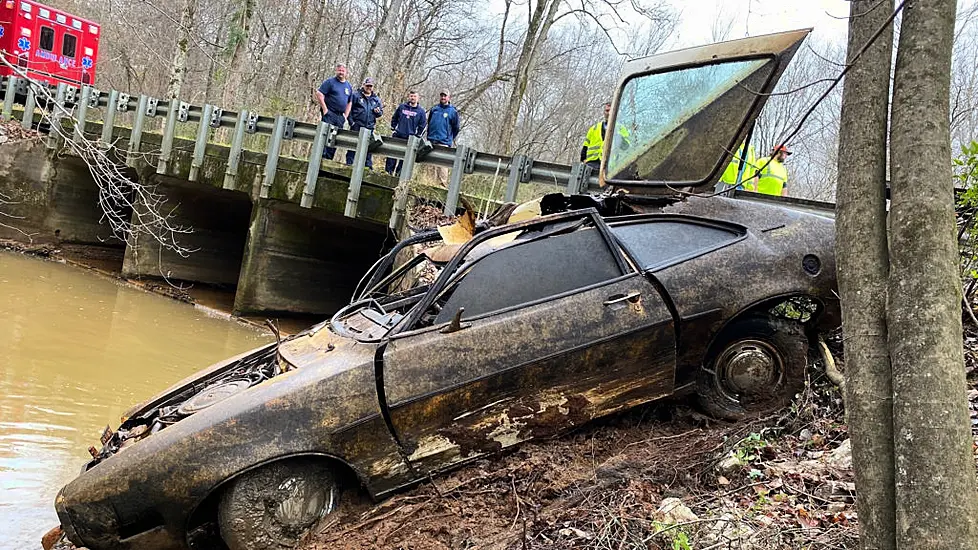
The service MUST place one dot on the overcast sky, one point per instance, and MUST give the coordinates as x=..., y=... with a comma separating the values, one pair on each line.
x=754, y=17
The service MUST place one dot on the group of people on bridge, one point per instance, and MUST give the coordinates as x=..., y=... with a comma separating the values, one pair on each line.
x=341, y=105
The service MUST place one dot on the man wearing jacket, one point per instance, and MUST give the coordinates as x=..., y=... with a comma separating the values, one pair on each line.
x=335, y=96
x=408, y=120
x=367, y=107
x=443, y=127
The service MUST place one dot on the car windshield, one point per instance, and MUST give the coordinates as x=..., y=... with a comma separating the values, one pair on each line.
x=676, y=126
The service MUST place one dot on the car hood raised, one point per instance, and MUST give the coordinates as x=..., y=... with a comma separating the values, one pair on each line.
x=679, y=116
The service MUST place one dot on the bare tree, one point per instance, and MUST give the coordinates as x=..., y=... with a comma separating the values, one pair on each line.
x=179, y=66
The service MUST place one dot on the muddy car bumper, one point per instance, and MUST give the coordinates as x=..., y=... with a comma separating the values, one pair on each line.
x=96, y=526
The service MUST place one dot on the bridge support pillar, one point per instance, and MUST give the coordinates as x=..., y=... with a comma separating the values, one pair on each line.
x=218, y=221
x=300, y=260
x=45, y=198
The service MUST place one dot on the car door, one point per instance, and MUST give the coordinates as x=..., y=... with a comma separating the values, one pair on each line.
x=557, y=329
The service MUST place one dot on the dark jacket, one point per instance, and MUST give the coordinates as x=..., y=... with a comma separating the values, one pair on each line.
x=362, y=113
x=408, y=120
x=443, y=124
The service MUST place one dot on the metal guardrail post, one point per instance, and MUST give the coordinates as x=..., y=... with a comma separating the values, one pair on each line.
x=81, y=113
x=136, y=136
x=108, y=118
x=169, y=129
x=356, y=178
x=28, y=121
x=401, y=192
x=271, y=158
x=201, y=145
x=8, y=97
x=579, y=175
x=56, y=110
x=516, y=167
x=462, y=155
x=234, y=156
x=315, y=161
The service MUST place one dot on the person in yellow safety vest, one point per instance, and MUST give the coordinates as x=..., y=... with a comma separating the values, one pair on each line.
x=593, y=147
x=773, y=177
x=736, y=175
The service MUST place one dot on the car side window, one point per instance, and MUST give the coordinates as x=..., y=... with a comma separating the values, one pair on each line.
x=655, y=244
x=527, y=272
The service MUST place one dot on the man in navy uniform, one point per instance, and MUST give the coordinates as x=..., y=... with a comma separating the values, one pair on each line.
x=367, y=107
x=408, y=120
x=335, y=97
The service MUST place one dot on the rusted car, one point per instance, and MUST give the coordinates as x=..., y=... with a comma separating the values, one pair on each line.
x=525, y=329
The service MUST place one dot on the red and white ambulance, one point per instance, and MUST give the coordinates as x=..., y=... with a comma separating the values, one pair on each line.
x=50, y=44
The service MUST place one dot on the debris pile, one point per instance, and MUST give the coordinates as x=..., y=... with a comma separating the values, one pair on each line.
x=427, y=216
x=12, y=132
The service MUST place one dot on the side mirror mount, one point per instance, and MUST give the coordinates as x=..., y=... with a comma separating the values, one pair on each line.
x=456, y=323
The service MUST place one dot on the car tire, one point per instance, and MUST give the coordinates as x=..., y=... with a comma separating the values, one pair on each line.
x=269, y=508
x=756, y=365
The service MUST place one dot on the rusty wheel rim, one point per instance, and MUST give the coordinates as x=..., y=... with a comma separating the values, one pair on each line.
x=748, y=368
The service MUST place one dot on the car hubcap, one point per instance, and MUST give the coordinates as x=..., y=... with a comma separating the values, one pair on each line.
x=749, y=367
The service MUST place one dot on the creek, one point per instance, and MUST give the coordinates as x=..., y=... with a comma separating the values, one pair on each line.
x=78, y=349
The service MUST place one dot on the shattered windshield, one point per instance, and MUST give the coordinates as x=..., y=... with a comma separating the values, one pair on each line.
x=677, y=126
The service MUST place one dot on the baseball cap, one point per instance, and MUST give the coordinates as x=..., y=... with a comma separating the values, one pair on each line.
x=445, y=91
x=780, y=148
x=368, y=81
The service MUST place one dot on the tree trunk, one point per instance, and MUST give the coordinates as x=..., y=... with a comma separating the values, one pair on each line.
x=382, y=45
x=288, y=60
x=536, y=35
x=862, y=268
x=237, y=48
x=178, y=68
x=937, y=502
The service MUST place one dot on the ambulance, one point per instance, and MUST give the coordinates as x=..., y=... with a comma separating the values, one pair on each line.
x=50, y=45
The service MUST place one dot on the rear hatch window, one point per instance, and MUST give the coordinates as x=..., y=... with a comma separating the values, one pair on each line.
x=656, y=244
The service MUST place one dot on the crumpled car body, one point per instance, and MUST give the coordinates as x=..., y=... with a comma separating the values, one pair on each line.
x=398, y=392
x=452, y=349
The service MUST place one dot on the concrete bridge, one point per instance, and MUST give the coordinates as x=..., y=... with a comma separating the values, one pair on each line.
x=289, y=234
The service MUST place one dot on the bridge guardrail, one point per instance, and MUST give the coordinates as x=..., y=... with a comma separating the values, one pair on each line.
x=461, y=160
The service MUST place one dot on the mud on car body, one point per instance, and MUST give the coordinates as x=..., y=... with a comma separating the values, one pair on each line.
x=455, y=348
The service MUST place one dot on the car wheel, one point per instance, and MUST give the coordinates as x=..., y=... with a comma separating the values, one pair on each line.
x=756, y=365
x=271, y=507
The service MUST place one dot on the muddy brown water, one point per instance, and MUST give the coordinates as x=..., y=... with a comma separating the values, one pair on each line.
x=77, y=350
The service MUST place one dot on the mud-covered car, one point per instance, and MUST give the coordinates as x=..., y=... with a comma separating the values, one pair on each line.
x=456, y=347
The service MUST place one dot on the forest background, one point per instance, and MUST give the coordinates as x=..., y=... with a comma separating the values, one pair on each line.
x=528, y=76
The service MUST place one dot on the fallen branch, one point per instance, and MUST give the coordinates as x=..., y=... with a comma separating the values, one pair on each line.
x=831, y=370
x=971, y=312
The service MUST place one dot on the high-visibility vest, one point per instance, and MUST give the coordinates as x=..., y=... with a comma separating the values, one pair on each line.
x=731, y=173
x=772, y=178
x=594, y=141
